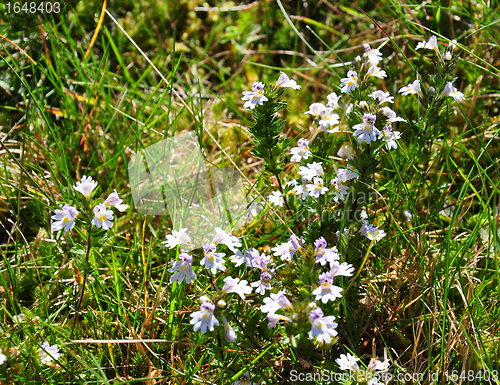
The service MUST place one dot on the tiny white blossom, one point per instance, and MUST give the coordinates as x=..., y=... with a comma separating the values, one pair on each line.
x=345, y=151
x=377, y=72
x=115, y=201
x=347, y=174
x=86, y=186
x=411, y=89
x=323, y=328
x=204, y=317
x=229, y=333
x=212, y=261
x=376, y=364
x=347, y=362
x=453, y=92
x=102, y=217
x=240, y=258
x=301, y=189
x=366, y=131
x=316, y=188
x=323, y=253
x=350, y=82
x=65, y=218
x=301, y=151
x=177, y=238
x=254, y=97
x=382, y=96
x=310, y=170
x=339, y=190
x=333, y=100
x=315, y=109
x=391, y=115
x=263, y=284
x=345, y=269
x=328, y=118
x=371, y=232
x=274, y=318
x=3, y=357
x=228, y=239
x=287, y=250
x=327, y=291
x=389, y=137
x=49, y=353
x=183, y=269
x=276, y=198
x=284, y=81
x=408, y=215
x=373, y=55
x=275, y=302
x=234, y=285
x=431, y=44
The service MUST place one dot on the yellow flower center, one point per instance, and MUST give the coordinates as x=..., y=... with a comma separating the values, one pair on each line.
x=65, y=220
x=102, y=218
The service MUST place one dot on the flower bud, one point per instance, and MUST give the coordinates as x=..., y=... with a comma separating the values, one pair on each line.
x=204, y=298
x=448, y=56
x=311, y=306
x=452, y=45
x=364, y=106
x=221, y=304
x=430, y=94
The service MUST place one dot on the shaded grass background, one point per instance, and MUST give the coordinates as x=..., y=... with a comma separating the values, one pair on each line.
x=429, y=291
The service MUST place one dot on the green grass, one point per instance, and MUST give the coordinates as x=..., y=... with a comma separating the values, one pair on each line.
x=428, y=292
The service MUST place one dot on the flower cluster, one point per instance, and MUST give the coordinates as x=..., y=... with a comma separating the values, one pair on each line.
x=102, y=213
x=369, y=376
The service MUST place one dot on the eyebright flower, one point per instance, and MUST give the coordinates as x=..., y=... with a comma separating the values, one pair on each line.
x=315, y=109
x=301, y=151
x=347, y=174
x=339, y=190
x=323, y=253
x=260, y=261
x=366, y=131
x=287, y=250
x=327, y=119
x=350, y=82
x=431, y=44
x=373, y=55
x=345, y=151
x=333, y=100
x=347, y=362
x=376, y=364
x=177, y=238
x=391, y=115
x=310, y=170
x=254, y=97
x=316, y=188
x=274, y=318
x=49, y=353
x=86, y=186
x=64, y=218
x=390, y=137
x=244, y=380
x=344, y=268
x=263, y=284
x=115, y=201
x=411, y=89
x=276, y=198
x=377, y=72
x=323, y=328
x=239, y=258
x=284, y=81
x=102, y=217
x=234, y=285
x=228, y=239
x=212, y=261
x=204, y=317
x=229, y=333
x=382, y=96
x=3, y=357
x=182, y=269
x=275, y=302
x=453, y=92
x=327, y=291
x=301, y=189
x=371, y=232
